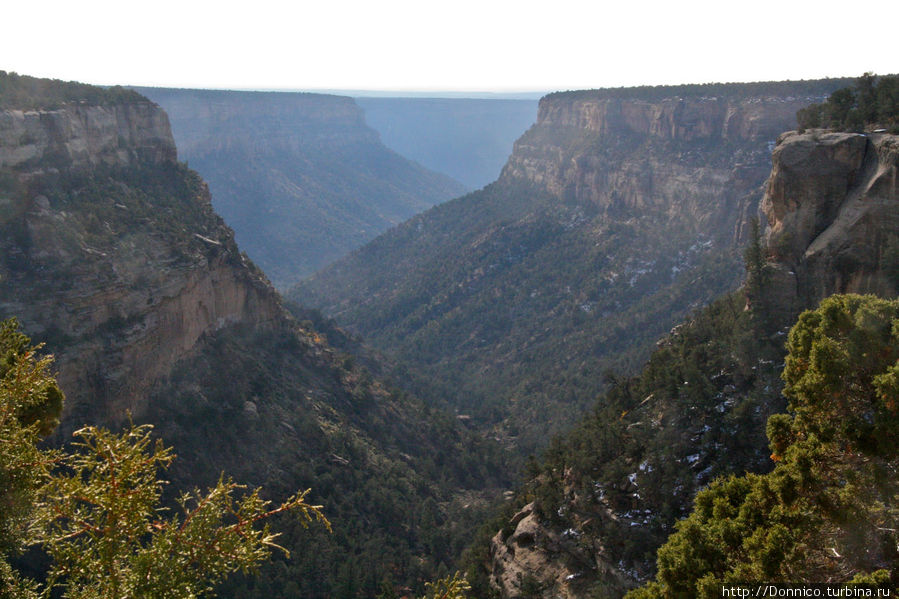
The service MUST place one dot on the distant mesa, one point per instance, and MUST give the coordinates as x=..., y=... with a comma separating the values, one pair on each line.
x=300, y=177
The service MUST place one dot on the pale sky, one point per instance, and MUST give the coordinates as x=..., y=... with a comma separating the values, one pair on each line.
x=463, y=45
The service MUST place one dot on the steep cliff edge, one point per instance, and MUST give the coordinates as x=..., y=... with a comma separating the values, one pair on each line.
x=618, y=213
x=83, y=135
x=300, y=177
x=831, y=208
x=753, y=116
x=697, y=157
x=88, y=198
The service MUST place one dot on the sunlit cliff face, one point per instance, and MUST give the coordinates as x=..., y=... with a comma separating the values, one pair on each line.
x=120, y=282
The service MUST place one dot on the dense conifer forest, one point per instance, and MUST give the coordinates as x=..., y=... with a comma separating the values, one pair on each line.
x=871, y=102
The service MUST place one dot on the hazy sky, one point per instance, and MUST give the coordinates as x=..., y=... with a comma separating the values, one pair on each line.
x=470, y=45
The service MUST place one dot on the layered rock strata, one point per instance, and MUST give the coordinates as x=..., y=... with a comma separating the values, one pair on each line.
x=121, y=284
x=82, y=135
x=612, y=220
x=831, y=206
x=696, y=156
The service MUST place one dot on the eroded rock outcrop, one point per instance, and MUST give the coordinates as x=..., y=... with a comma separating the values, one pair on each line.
x=705, y=157
x=832, y=209
x=535, y=558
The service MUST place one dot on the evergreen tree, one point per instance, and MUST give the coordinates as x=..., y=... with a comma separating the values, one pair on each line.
x=839, y=104
x=867, y=97
x=450, y=587
x=872, y=102
x=30, y=405
x=97, y=512
x=101, y=521
x=758, y=277
x=827, y=512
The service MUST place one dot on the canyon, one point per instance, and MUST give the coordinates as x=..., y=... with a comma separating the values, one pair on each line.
x=591, y=295
x=300, y=177
x=112, y=257
x=469, y=139
x=618, y=214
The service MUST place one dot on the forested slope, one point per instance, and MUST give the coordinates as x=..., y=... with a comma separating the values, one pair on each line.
x=618, y=213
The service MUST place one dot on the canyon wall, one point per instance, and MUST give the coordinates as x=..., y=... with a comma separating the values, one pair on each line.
x=618, y=214
x=686, y=118
x=111, y=255
x=85, y=135
x=695, y=156
x=831, y=216
x=206, y=120
x=120, y=284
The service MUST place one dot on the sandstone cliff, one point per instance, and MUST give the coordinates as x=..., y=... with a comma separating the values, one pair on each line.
x=703, y=158
x=831, y=204
x=685, y=118
x=832, y=209
x=83, y=135
x=111, y=254
x=94, y=264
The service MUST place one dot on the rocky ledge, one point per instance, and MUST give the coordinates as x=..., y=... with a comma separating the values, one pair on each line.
x=674, y=118
x=80, y=135
x=538, y=559
x=832, y=209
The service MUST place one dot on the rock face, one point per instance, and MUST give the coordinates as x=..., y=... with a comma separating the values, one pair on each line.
x=79, y=136
x=98, y=269
x=694, y=156
x=111, y=254
x=300, y=177
x=685, y=118
x=534, y=558
x=832, y=209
